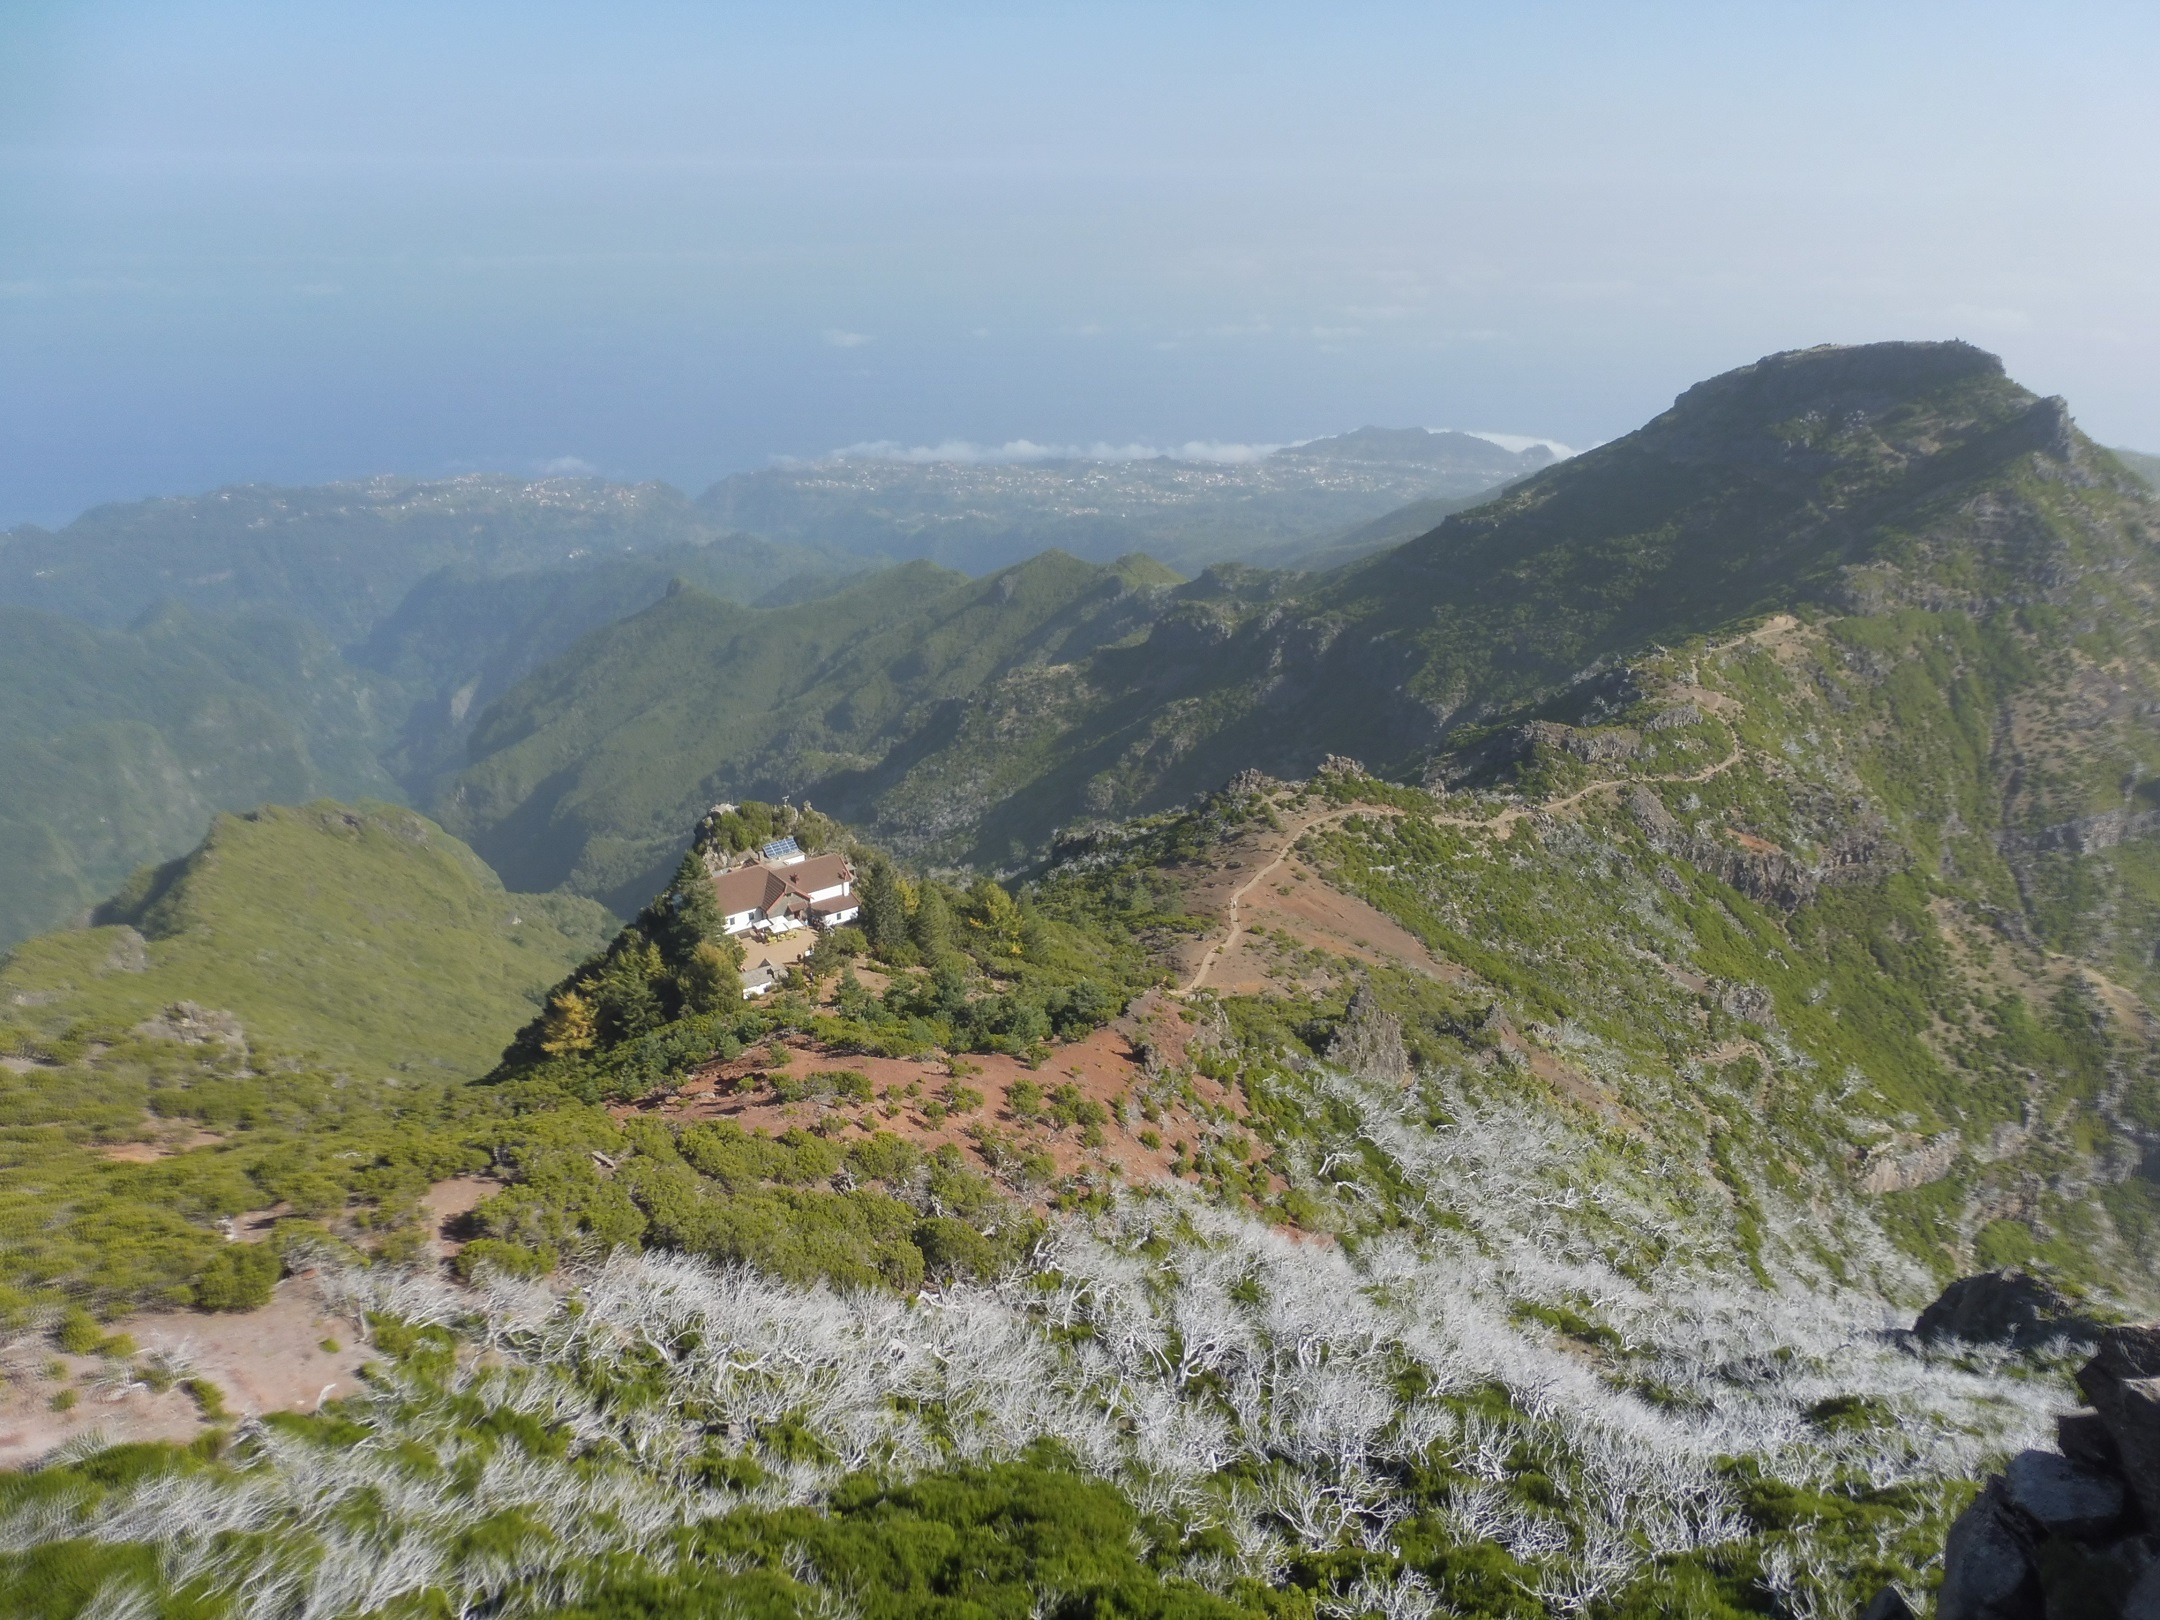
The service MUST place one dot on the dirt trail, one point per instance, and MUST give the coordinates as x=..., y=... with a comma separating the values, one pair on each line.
x=1507, y=818
x=1293, y=830
x=1297, y=827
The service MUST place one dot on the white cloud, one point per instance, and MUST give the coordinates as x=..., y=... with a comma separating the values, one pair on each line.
x=968, y=453
x=567, y=467
x=846, y=340
x=1519, y=442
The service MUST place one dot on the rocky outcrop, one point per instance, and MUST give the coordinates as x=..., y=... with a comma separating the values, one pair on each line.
x=1905, y=1162
x=1515, y=746
x=1369, y=1041
x=2009, y=1308
x=2072, y=1532
x=193, y=1025
x=2087, y=835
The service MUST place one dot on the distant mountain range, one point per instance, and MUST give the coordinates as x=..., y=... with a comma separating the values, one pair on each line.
x=176, y=657
x=1285, y=510
x=370, y=639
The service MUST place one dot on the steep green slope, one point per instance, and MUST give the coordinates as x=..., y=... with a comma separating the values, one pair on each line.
x=363, y=935
x=1758, y=490
x=116, y=747
x=461, y=637
x=1359, y=541
x=587, y=772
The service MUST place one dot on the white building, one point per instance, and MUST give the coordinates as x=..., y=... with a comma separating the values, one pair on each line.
x=791, y=891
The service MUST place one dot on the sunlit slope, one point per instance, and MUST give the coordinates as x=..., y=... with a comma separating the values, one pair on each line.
x=1759, y=490
x=363, y=934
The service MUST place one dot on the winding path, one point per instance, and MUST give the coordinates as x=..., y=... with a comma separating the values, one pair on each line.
x=1501, y=823
x=1292, y=832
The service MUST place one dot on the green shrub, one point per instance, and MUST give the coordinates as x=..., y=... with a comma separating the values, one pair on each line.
x=512, y=1259
x=848, y=1085
x=79, y=1333
x=953, y=1248
x=884, y=1157
x=238, y=1277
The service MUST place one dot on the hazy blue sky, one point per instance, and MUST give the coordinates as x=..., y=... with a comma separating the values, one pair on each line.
x=302, y=241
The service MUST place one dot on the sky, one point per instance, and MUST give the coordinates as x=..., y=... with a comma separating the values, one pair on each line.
x=294, y=243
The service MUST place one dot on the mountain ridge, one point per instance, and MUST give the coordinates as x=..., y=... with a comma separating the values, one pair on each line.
x=1663, y=533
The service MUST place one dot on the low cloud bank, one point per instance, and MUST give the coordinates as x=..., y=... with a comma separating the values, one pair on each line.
x=1019, y=450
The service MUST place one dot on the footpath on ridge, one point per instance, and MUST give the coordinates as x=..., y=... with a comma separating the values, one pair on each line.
x=1296, y=828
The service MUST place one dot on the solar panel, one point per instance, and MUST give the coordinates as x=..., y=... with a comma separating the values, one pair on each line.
x=780, y=849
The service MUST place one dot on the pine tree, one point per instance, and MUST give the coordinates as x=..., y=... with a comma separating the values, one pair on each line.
x=628, y=989
x=570, y=1027
x=685, y=915
x=932, y=924
x=711, y=980
x=884, y=908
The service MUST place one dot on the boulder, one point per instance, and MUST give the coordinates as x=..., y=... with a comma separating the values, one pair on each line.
x=2073, y=1535
x=1987, y=1569
x=2123, y=1382
x=2133, y=1419
x=2123, y=1352
x=1888, y=1604
x=2143, y=1601
x=2010, y=1308
x=2084, y=1438
x=2059, y=1497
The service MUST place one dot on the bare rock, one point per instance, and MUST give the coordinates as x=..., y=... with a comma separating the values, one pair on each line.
x=2123, y=1382
x=2142, y=1602
x=1747, y=1001
x=2133, y=1418
x=2084, y=1438
x=1905, y=1162
x=2010, y=1308
x=1369, y=1041
x=130, y=953
x=2123, y=1352
x=1987, y=1569
x=193, y=1025
x=2063, y=1498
